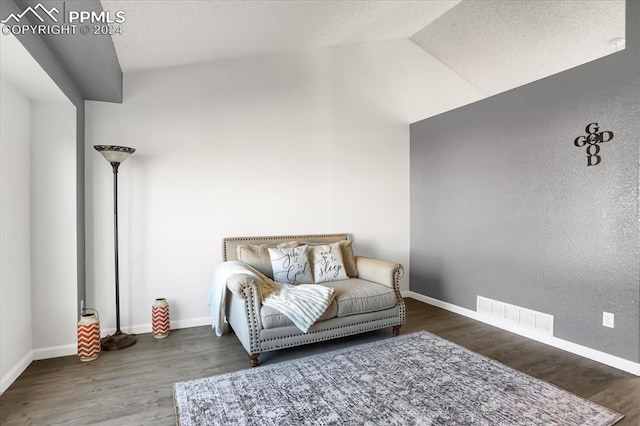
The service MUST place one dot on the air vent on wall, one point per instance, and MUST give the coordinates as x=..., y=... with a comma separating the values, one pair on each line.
x=516, y=315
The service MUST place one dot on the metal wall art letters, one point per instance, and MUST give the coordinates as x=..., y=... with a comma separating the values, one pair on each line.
x=592, y=141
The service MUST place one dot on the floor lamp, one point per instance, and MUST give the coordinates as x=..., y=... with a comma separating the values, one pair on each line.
x=116, y=155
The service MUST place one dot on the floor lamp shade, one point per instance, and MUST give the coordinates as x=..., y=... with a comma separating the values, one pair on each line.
x=115, y=155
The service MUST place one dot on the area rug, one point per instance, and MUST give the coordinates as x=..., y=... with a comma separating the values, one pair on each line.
x=415, y=379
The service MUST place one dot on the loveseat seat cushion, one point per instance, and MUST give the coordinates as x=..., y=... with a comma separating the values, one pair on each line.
x=357, y=296
x=272, y=318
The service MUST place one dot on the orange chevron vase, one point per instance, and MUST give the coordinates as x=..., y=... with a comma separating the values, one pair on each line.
x=89, y=335
x=160, y=318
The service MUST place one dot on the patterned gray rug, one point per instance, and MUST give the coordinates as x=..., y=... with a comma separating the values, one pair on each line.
x=416, y=379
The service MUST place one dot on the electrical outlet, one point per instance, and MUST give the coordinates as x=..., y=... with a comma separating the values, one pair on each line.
x=607, y=319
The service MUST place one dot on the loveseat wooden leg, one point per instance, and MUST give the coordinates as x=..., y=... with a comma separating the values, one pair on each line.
x=396, y=330
x=253, y=360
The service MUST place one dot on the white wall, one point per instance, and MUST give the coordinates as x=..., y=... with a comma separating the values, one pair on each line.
x=38, y=278
x=310, y=142
x=15, y=251
x=53, y=228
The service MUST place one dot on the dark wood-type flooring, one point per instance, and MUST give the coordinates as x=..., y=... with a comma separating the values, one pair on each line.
x=133, y=386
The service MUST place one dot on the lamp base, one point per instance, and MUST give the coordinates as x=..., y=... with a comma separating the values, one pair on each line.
x=118, y=341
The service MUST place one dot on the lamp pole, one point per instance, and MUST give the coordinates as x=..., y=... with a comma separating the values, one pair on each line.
x=115, y=165
x=116, y=155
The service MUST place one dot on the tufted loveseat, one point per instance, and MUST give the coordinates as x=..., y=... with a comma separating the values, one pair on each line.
x=368, y=301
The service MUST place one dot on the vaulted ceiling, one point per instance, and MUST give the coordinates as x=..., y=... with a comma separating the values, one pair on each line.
x=493, y=44
x=161, y=33
x=496, y=45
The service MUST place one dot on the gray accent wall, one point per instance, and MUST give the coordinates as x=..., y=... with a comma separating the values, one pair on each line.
x=503, y=204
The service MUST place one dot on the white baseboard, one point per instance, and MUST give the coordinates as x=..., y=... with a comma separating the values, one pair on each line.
x=15, y=372
x=72, y=349
x=34, y=355
x=55, y=351
x=146, y=328
x=193, y=322
x=584, y=351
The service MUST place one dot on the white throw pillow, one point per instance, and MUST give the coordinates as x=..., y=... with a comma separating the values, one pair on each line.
x=327, y=263
x=291, y=265
x=348, y=257
x=257, y=255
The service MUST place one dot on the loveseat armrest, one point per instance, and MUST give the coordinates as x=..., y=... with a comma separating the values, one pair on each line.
x=241, y=285
x=244, y=302
x=379, y=271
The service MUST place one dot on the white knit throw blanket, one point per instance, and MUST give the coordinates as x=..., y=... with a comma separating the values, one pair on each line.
x=303, y=304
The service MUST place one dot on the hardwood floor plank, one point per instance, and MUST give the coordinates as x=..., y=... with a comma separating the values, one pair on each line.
x=134, y=386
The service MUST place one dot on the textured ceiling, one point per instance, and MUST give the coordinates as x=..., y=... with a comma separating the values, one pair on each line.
x=159, y=34
x=499, y=45
x=493, y=44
